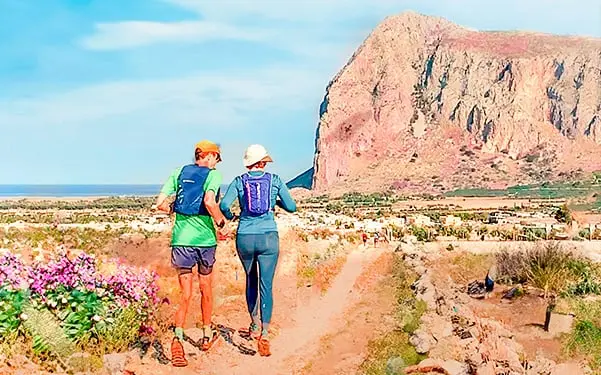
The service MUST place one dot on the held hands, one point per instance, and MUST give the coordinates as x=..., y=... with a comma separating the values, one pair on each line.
x=224, y=230
x=224, y=233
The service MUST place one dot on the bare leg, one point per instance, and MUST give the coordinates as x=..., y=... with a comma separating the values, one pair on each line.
x=206, y=301
x=185, y=284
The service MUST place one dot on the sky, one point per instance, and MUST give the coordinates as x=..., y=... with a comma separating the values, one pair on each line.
x=119, y=91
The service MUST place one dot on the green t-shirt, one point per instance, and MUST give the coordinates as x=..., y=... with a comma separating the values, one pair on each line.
x=193, y=230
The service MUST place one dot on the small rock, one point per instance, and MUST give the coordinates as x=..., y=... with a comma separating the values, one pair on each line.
x=453, y=367
x=567, y=368
x=449, y=367
x=429, y=297
x=438, y=326
x=420, y=270
x=410, y=239
x=486, y=369
x=422, y=341
x=540, y=365
x=115, y=363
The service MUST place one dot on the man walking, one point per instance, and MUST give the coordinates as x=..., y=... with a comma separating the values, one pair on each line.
x=194, y=241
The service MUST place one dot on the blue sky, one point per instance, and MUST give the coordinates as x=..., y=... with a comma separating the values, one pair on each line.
x=108, y=91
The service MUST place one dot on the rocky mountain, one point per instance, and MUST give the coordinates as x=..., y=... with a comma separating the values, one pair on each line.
x=425, y=105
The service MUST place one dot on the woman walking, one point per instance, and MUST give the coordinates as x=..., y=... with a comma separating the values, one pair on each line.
x=257, y=239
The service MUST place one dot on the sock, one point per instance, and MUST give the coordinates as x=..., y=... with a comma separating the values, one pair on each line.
x=179, y=333
x=265, y=330
x=207, y=331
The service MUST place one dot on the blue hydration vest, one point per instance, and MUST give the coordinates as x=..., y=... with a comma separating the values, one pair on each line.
x=257, y=194
x=189, y=198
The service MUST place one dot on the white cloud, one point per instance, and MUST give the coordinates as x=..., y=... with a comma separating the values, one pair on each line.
x=222, y=99
x=305, y=28
x=128, y=34
x=308, y=11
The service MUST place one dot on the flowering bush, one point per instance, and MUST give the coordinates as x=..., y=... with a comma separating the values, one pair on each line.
x=87, y=299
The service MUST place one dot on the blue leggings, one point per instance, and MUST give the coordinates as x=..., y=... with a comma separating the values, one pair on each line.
x=259, y=255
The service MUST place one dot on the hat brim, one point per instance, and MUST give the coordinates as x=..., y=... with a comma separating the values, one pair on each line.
x=267, y=159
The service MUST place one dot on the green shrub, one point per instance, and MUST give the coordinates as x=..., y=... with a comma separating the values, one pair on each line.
x=422, y=234
x=584, y=233
x=586, y=278
x=563, y=214
x=47, y=335
x=119, y=332
x=394, y=346
x=585, y=339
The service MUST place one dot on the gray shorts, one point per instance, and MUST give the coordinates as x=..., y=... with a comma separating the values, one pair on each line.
x=184, y=258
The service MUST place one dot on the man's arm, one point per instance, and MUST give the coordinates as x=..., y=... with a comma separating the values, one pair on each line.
x=212, y=206
x=163, y=202
x=212, y=186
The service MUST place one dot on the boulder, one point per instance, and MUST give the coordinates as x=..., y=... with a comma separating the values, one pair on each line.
x=560, y=323
x=422, y=341
x=449, y=367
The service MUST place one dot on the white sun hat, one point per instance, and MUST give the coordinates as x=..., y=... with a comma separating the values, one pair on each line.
x=255, y=154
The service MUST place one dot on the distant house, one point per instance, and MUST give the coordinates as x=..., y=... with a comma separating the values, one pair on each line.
x=420, y=220
x=451, y=221
x=498, y=217
x=373, y=227
x=398, y=221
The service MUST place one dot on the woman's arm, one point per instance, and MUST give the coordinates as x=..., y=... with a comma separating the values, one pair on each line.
x=286, y=201
x=228, y=199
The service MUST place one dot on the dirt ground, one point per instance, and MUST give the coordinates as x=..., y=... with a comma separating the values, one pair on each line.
x=303, y=319
x=367, y=317
x=524, y=317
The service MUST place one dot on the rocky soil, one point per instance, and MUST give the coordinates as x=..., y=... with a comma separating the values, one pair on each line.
x=458, y=339
x=427, y=105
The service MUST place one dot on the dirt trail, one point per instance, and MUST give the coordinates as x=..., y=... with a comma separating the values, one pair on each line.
x=318, y=317
x=299, y=340
x=301, y=316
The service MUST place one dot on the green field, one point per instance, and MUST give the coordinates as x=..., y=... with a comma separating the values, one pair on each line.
x=545, y=190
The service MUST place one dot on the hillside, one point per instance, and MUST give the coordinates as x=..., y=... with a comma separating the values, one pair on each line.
x=425, y=105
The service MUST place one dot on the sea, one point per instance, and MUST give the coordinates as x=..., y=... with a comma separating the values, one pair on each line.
x=65, y=191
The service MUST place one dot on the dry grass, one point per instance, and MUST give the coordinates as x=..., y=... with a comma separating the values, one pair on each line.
x=320, y=269
x=327, y=272
x=548, y=266
x=466, y=267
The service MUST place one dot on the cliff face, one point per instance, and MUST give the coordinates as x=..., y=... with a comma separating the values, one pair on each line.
x=426, y=105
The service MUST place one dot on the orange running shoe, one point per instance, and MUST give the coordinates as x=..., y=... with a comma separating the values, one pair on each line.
x=178, y=357
x=207, y=342
x=264, y=347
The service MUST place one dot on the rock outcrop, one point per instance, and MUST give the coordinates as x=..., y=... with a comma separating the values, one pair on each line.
x=459, y=339
x=427, y=105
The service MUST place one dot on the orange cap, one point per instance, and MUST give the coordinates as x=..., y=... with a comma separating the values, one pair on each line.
x=208, y=146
